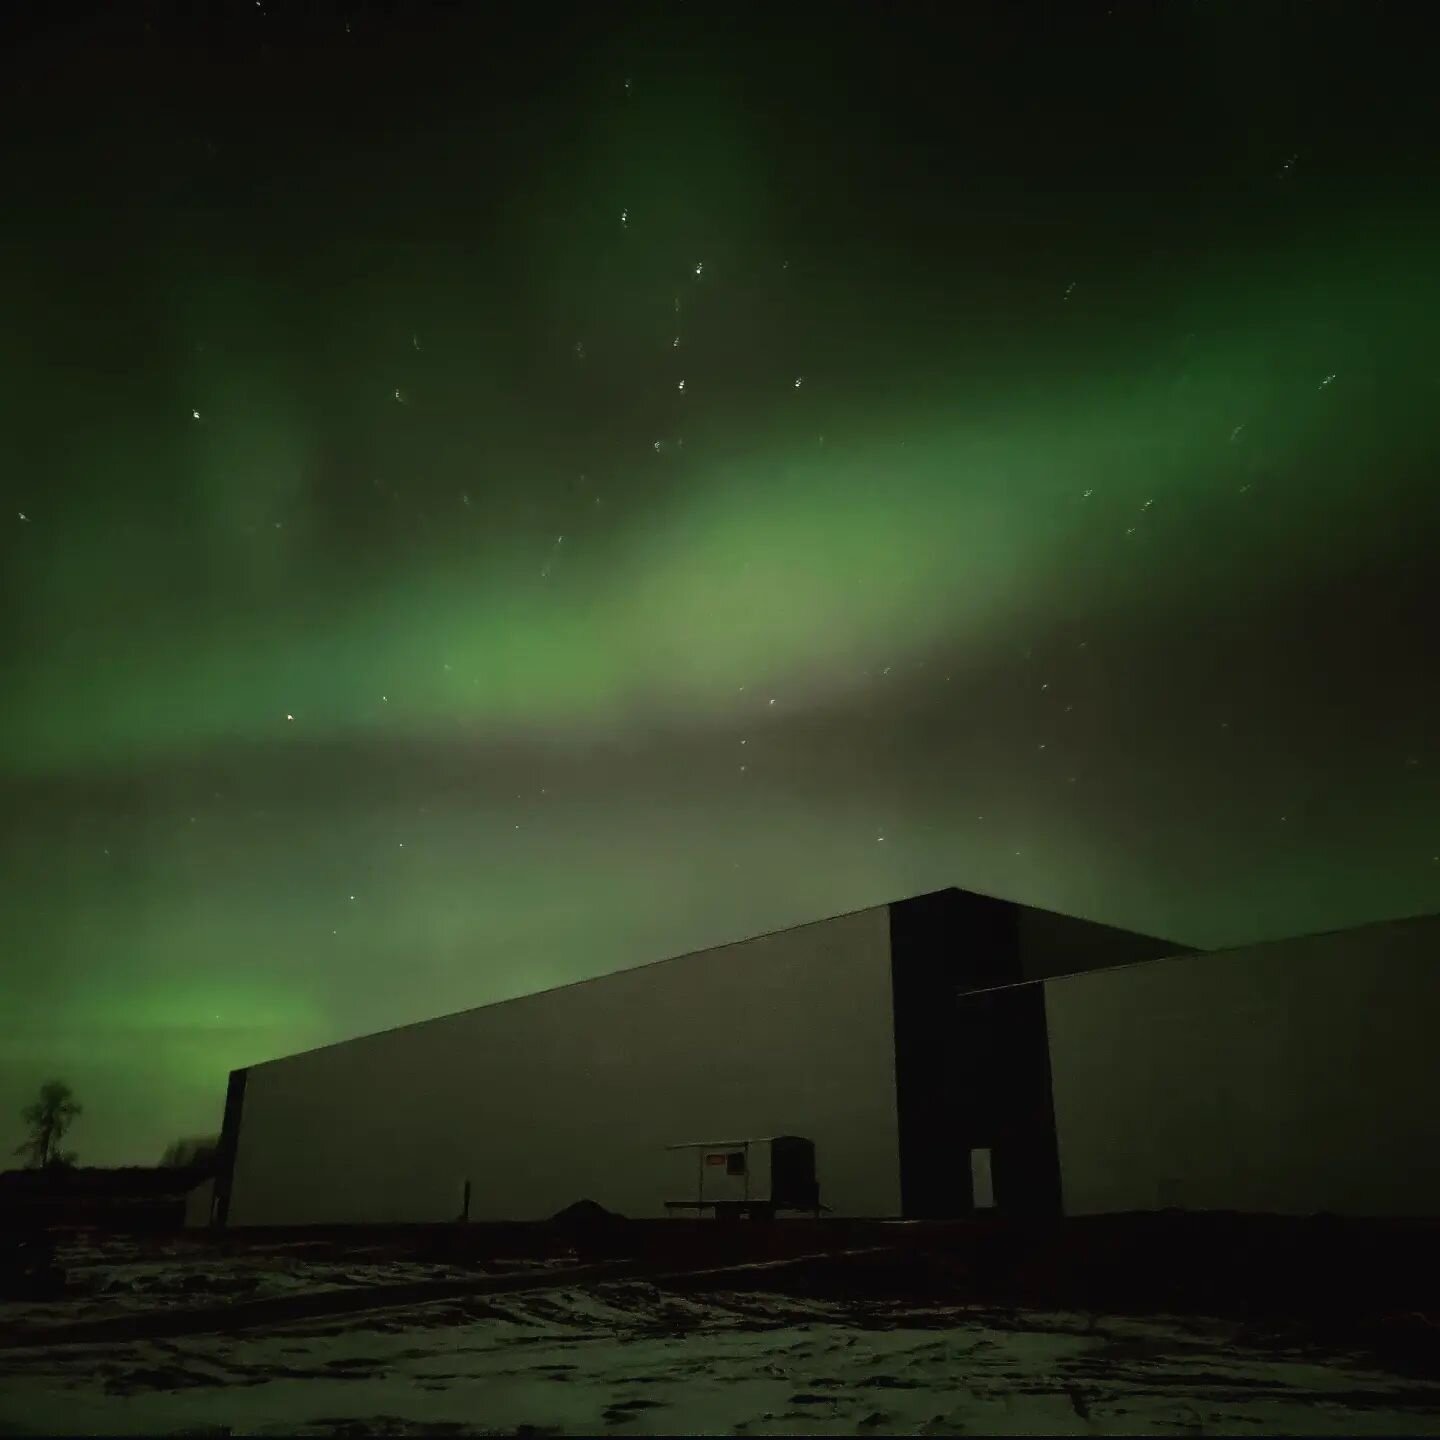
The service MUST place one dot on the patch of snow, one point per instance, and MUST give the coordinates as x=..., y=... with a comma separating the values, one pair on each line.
x=629, y=1357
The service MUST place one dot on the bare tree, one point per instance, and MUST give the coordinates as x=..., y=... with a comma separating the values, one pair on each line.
x=191, y=1152
x=47, y=1120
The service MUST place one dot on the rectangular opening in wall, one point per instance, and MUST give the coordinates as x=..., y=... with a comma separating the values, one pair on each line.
x=982, y=1186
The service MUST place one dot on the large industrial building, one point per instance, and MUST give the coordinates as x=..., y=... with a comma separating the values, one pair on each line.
x=943, y=1053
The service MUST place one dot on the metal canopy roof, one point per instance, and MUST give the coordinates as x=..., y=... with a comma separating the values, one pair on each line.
x=730, y=1144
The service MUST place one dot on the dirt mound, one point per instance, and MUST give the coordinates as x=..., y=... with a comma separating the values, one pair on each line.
x=584, y=1214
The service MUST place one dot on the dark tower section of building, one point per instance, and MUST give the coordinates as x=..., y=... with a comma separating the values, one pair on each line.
x=229, y=1142
x=972, y=1070
x=1004, y=1102
x=941, y=943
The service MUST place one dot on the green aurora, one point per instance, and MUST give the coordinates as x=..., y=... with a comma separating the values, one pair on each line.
x=785, y=572
x=1086, y=564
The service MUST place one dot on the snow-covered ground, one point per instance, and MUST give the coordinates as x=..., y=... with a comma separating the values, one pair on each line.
x=117, y=1275
x=630, y=1357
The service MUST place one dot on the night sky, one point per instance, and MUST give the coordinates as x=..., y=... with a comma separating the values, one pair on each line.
x=490, y=501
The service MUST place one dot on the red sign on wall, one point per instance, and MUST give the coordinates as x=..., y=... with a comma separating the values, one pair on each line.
x=714, y=1159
